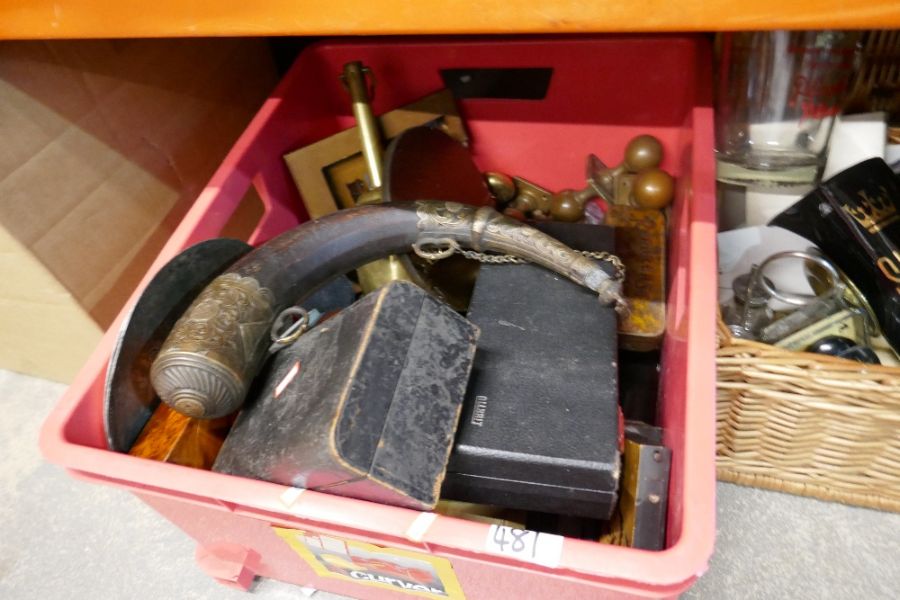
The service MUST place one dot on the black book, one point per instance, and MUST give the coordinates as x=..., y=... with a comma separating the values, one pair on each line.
x=540, y=428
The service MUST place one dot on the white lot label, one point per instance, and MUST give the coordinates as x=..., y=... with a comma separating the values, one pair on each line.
x=530, y=546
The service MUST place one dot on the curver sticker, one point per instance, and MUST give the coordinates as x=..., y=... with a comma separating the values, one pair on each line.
x=413, y=573
x=530, y=546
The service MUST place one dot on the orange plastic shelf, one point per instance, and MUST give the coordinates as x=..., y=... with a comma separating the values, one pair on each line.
x=21, y=19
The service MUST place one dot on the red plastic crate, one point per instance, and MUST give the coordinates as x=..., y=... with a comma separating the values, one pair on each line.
x=603, y=91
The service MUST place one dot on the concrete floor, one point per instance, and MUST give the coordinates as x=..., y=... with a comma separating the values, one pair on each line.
x=60, y=538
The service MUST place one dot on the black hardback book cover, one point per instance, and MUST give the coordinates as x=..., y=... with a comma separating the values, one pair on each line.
x=364, y=405
x=540, y=428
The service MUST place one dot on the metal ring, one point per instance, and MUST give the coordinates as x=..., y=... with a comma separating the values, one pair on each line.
x=854, y=298
x=480, y=221
x=293, y=332
x=444, y=247
x=799, y=299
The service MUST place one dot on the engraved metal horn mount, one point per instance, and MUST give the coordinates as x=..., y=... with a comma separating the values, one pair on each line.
x=483, y=228
x=202, y=368
x=214, y=351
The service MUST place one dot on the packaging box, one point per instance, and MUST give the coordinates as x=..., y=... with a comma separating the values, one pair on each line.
x=105, y=146
x=600, y=94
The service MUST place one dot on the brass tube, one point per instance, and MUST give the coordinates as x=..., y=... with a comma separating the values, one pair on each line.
x=355, y=79
x=392, y=268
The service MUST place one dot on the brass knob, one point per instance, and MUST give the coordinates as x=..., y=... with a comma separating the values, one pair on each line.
x=643, y=152
x=532, y=200
x=653, y=188
x=514, y=213
x=501, y=186
x=567, y=206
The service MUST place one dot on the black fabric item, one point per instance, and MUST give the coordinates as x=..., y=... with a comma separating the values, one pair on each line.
x=540, y=427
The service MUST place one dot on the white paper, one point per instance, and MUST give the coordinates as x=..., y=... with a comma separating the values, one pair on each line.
x=522, y=544
x=892, y=153
x=855, y=138
x=762, y=206
x=740, y=249
x=783, y=134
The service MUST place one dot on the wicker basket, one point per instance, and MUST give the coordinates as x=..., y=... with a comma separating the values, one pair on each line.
x=808, y=424
x=876, y=86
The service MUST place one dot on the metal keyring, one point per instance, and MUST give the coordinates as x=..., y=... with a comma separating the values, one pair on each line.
x=854, y=297
x=799, y=299
x=293, y=332
x=443, y=247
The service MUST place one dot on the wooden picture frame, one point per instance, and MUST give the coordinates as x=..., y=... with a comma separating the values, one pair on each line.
x=331, y=173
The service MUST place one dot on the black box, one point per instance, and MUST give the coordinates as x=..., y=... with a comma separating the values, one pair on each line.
x=365, y=405
x=541, y=422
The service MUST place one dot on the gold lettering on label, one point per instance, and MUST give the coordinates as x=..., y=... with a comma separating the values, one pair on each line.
x=889, y=268
x=873, y=213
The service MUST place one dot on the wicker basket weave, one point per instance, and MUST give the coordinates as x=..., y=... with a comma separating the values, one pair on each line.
x=876, y=85
x=808, y=424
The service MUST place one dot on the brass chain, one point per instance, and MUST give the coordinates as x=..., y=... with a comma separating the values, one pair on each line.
x=434, y=249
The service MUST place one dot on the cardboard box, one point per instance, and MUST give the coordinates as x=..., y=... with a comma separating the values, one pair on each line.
x=105, y=145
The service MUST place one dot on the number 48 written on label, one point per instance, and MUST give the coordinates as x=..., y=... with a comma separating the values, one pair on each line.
x=530, y=546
